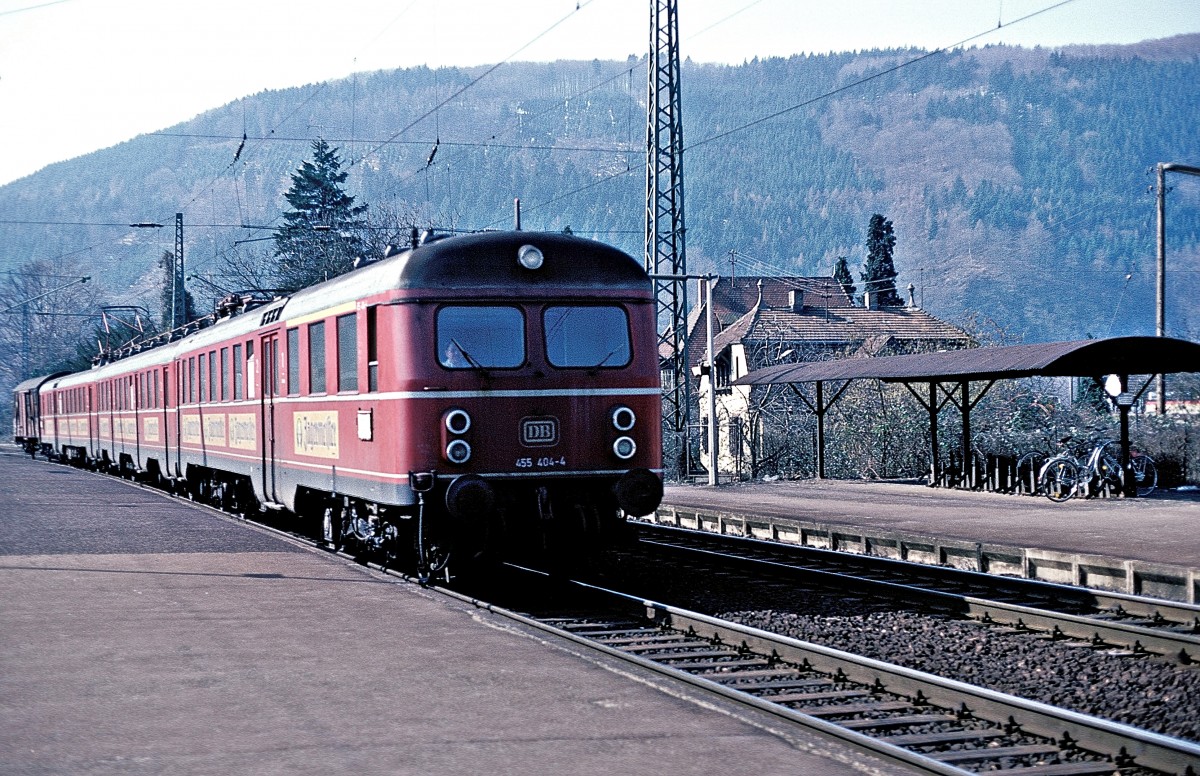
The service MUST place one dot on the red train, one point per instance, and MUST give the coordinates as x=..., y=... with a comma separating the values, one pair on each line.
x=490, y=391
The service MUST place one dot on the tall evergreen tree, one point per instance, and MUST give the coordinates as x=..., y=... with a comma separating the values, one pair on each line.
x=841, y=273
x=320, y=237
x=879, y=274
x=183, y=302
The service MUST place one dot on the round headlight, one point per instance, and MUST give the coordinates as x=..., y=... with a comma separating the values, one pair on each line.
x=458, y=451
x=624, y=448
x=623, y=418
x=529, y=257
x=458, y=421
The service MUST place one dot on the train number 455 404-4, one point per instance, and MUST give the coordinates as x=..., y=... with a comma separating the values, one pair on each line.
x=541, y=462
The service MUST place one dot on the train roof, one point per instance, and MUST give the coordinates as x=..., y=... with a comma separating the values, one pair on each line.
x=480, y=264
x=485, y=264
x=33, y=383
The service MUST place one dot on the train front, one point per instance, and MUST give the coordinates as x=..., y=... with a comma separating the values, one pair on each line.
x=539, y=387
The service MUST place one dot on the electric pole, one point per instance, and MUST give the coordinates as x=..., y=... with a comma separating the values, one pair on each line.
x=665, y=252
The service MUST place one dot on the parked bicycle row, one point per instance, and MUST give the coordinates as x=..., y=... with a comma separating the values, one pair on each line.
x=1058, y=476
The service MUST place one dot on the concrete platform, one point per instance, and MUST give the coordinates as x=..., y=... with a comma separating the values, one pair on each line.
x=1148, y=546
x=143, y=635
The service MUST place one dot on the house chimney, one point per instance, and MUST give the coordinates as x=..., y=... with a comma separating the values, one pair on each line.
x=870, y=300
x=912, y=299
x=796, y=300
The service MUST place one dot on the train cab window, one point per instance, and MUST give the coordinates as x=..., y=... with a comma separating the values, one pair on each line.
x=293, y=362
x=347, y=352
x=238, y=367
x=587, y=336
x=372, y=349
x=470, y=337
x=316, y=357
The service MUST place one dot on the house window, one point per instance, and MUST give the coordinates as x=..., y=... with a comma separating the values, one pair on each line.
x=721, y=376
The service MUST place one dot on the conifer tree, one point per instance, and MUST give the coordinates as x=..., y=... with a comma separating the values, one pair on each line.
x=320, y=237
x=841, y=273
x=879, y=274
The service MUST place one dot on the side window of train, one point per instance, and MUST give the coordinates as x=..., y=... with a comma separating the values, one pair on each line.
x=238, y=373
x=293, y=362
x=587, y=337
x=191, y=394
x=372, y=349
x=347, y=352
x=316, y=357
x=212, y=375
x=477, y=337
x=203, y=363
x=224, y=374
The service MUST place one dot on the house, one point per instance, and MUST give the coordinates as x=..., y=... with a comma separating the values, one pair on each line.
x=761, y=321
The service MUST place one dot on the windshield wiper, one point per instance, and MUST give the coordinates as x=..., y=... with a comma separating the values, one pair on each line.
x=470, y=359
x=604, y=360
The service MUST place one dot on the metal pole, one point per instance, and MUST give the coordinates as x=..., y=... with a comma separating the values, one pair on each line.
x=820, y=430
x=178, y=291
x=1160, y=315
x=1162, y=168
x=712, y=387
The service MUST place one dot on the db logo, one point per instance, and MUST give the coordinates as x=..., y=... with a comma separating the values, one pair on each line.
x=539, y=432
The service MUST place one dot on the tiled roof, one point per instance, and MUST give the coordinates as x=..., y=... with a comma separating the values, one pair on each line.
x=740, y=293
x=851, y=325
x=832, y=322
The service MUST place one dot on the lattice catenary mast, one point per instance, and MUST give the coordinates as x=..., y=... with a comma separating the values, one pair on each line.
x=665, y=252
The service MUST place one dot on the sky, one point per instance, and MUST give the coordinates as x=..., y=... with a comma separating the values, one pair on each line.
x=80, y=75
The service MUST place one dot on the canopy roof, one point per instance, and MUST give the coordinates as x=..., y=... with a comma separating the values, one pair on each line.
x=1082, y=358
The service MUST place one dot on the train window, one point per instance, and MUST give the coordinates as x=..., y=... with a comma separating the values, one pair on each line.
x=372, y=349
x=192, y=379
x=293, y=362
x=587, y=337
x=203, y=383
x=224, y=374
x=347, y=352
x=237, y=372
x=316, y=357
x=480, y=337
x=212, y=375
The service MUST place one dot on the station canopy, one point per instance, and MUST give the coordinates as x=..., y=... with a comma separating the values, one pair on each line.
x=1082, y=358
x=1121, y=356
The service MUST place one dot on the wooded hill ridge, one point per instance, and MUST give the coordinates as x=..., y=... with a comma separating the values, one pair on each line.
x=1019, y=181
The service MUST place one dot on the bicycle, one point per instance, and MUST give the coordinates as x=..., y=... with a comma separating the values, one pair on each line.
x=1063, y=476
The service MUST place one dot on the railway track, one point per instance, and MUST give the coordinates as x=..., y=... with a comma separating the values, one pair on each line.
x=1141, y=626
x=933, y=724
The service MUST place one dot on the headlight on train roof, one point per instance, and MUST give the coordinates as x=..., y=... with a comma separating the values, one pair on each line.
x=457, y=421
x=530, y=257
x=458, y=451
x=624, y=448
x=623, y=418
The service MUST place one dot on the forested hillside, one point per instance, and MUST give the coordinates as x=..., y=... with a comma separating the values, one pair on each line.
x=1020, y=182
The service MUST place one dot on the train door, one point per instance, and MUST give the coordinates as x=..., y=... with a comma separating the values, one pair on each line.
x=163, y=397
x=269, y=356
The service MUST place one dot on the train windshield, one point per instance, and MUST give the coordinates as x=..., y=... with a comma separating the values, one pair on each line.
x=587, y=337
x=470, y=337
